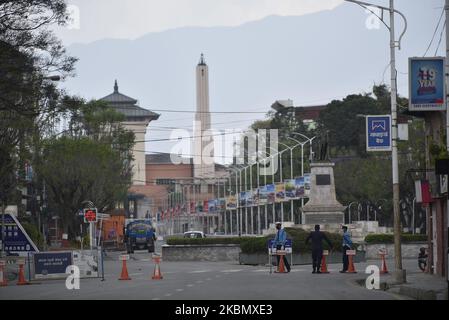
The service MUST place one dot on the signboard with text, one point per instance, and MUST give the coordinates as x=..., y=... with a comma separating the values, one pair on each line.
x=427, y=89
x=17, y=241
x=378, y=133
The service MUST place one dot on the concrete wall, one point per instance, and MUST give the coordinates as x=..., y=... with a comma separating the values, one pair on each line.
x=409, y=250
x=211, y=252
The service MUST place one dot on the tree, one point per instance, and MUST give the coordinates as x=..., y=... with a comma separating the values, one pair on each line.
x=29, y=102
x=89, y=162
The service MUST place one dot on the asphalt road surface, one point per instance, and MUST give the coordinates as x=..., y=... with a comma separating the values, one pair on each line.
x=206, y=281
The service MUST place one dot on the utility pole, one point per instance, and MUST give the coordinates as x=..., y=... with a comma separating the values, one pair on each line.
x=399, y=272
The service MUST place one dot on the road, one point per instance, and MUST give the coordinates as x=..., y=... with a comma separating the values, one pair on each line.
x=205, y=281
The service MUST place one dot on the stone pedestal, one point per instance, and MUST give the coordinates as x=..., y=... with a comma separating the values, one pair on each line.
x=323, y=207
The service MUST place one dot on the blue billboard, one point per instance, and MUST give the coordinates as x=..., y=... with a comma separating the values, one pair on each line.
x=427, y=84
x=17, y=241
x=378, y=133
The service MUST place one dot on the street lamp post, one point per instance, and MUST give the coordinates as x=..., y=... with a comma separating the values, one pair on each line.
x=400, y=275
x=349, y=210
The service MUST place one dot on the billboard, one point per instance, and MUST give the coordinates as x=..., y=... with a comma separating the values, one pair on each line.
x=307, y=184
x=231, y=202
x=212, y=205
x=427, y=84
x=52, y=264
x=378, y=133
x=271, y=194
x=263, y=195
x=290, y=193
x=17, y=241
x=299, y=187
x=280, y=192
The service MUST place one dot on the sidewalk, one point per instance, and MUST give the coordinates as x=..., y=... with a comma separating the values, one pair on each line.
x=419, y=286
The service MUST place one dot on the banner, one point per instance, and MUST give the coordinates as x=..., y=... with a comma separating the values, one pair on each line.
x=378, y=133
x=299, y=188
x=221, y=204
x=290, y=192
x=307, y=184
x=206, y=206
x=17, y=241
x=271, y=194
x=426, y=77
x=192, y=207
x=256, y=197
x=263, y=195
x=231, y=202
x=280, y=192
x=212, y=205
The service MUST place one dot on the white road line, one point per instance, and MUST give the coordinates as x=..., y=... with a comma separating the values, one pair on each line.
x=167, y=294
x=231, y=270
x=260, y=270
x=179, y=290
x=208, y=279
x=156, y=299
x=136, y=274
x=200, y=271
x=190, y=285
x=199, y=281
x=145, y=260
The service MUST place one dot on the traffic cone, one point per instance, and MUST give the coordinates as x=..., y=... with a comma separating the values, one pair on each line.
x=351, y=267
x=124, y=275
x=21, y=280
x=3, y=281
x=281, y=266
x=383, y=268
x=157, y=275
x=323, y=262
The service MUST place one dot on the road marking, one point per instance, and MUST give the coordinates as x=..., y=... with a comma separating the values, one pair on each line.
x=190, y=285
x=200, y=271
x=231, y=270
x=208, y=279
x=168, y=294
x=199, y=281
x=179, y=290
x=145, y=260
x=136, y=274
x=156, y=299
x=260, y=270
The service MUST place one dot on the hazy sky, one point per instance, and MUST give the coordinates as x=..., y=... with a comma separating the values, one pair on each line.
x=99, y=19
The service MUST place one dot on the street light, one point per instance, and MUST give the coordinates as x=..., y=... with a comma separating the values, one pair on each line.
x=399, y=275
x=349, y=210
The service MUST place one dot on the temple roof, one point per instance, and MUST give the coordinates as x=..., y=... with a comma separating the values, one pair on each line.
x=128, y=106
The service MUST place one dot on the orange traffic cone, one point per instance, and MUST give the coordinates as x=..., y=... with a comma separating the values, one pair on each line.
x=383, y=268
x=281, y=266
x=323, y=262
x=157, y=275
x=351, y=267
x=124, y=275
x=21, y=280
x=3, y=281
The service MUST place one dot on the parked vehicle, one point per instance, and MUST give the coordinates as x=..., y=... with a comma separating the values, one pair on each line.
x=194, y=234
x=139, y=234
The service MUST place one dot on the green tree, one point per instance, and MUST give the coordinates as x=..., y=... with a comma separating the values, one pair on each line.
x=91, y=161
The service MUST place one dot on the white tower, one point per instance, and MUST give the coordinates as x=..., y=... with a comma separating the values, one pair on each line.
x=204, y=166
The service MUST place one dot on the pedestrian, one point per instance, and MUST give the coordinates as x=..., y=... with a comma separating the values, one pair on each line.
x=347, y=245
x=317, y=238
x=279, y=242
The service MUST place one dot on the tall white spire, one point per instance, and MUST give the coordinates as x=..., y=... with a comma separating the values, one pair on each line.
x=203, y=142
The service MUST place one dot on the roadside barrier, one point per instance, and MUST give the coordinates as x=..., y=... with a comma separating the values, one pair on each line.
x=351, y=255
x=323, y=262
x=383, y=268
x=124, y=275
x=157, y=275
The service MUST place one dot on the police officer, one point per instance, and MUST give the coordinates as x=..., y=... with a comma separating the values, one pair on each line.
x=317, y=247
x=347, y=245
x=279, y=242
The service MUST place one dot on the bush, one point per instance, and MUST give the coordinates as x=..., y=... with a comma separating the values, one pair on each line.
x=389, y=238
x=203, y=241
x=298, y=236
x=34, y=234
